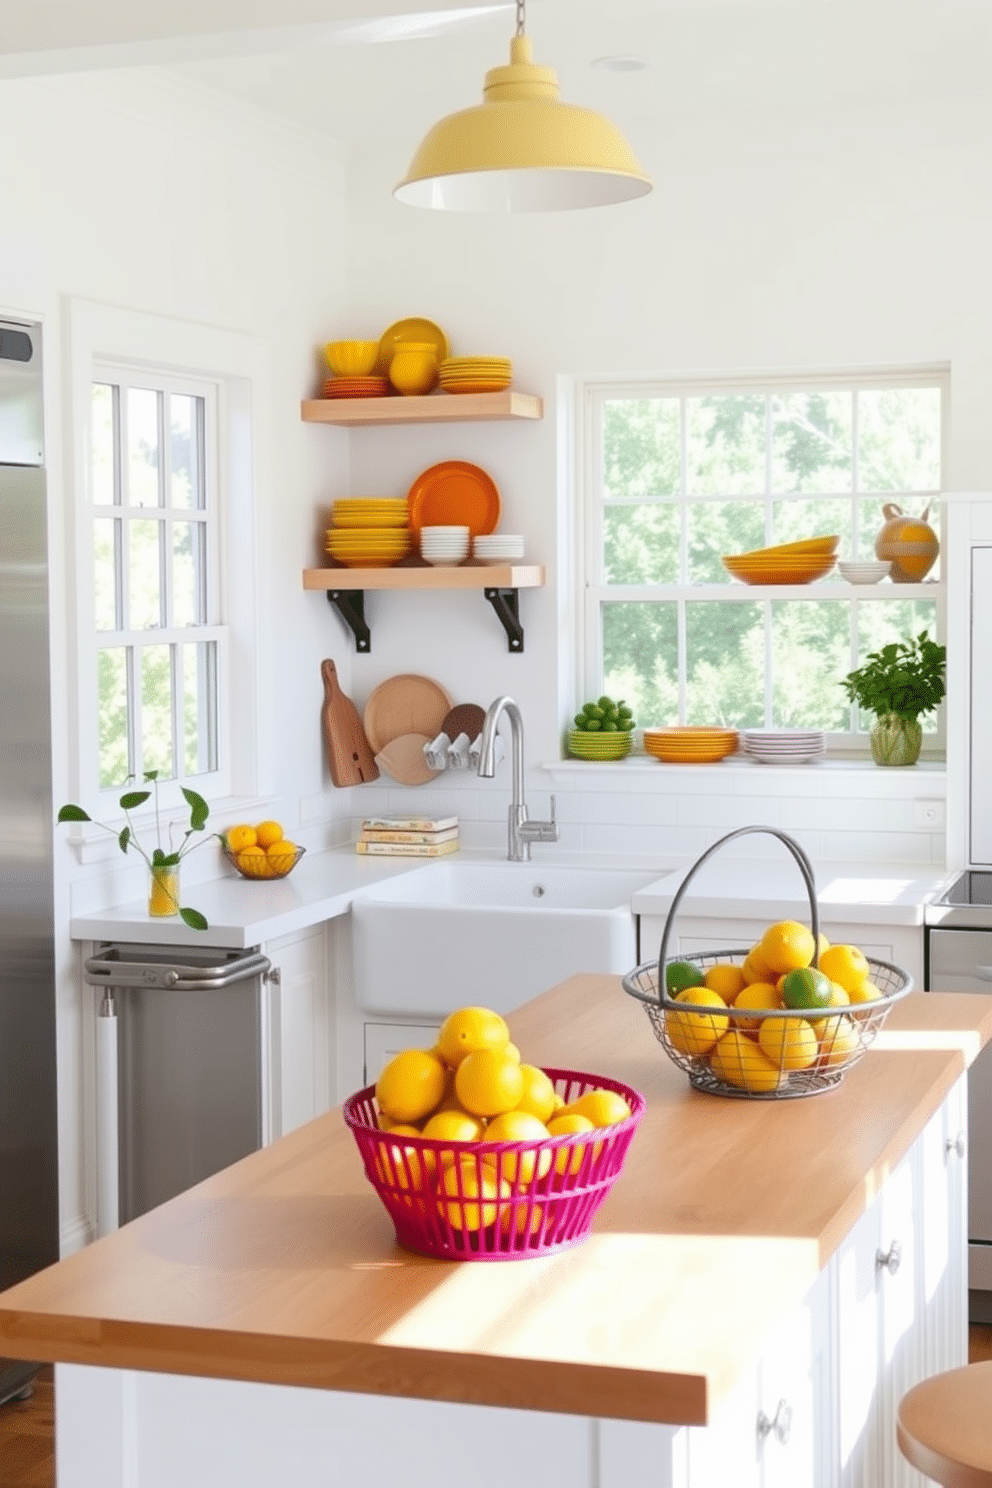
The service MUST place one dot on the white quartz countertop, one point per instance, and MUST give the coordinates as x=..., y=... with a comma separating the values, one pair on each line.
x=243, y=913
x=727, y=887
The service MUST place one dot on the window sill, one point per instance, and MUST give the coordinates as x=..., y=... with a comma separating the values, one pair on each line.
x=766, y=779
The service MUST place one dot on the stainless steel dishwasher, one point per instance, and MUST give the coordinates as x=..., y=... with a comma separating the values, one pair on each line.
x=184, y=1057
x=959, y=959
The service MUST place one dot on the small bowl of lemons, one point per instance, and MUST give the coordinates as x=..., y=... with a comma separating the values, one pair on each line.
x=260, y=852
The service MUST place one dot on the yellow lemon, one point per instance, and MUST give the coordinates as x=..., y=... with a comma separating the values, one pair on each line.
x=787, y=946
x=739, y=1061
x=756, y=968
x=867, y=991
x=568, y=1160
x=453, y=1126
x=239, y=837
x=280, y=855
x=790, y=1043
x=400, y=1166
x=488, y=1081
x=469, y=1029
x=847, y=965
x=838, y=1039
x=517, y=1126
x=726, y=979
x=603, y=1107
x=513, y=1051
x=695, y=1034
x=268, y=832
x=253, y=862
x=411, y=1085
x=463, y=1181
x=758, y=995
x=539, y=1096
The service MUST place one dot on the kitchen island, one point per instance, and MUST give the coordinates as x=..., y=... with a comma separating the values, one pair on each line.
x=728, y=1315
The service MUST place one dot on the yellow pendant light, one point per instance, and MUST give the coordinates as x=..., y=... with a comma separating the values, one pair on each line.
x=522, y=149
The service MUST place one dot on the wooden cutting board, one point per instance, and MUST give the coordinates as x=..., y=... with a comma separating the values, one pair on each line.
x=349, y=757
x=406, y=704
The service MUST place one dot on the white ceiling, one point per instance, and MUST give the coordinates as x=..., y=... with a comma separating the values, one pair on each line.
x=382, y=70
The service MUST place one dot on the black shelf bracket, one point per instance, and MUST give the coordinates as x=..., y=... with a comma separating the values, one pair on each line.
x=350, y=605
x=506, y=603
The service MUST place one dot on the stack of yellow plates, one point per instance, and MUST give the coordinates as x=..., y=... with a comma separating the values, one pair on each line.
x=784, y=568
x=475, y=374
x=368, y=547
x=371, y=511
x=690, y=746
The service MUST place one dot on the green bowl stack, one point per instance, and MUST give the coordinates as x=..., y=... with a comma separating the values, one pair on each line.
x=602, y=730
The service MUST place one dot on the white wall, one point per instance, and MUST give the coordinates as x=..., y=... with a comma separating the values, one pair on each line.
x=128, y=190
x=780, y=242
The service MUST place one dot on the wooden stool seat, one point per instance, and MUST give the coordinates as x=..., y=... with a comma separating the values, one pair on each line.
x=944, y=1427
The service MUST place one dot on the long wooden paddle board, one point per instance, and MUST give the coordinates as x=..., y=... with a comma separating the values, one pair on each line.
x=349, y=757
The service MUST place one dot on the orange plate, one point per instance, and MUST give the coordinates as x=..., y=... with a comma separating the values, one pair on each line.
x=356, y=387
x=454, y=493
x=475, y=387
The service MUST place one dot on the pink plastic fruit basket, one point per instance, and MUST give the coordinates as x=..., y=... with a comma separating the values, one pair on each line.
x=502, y=1203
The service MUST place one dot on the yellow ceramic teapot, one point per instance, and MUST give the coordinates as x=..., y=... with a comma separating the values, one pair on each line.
x=908, y=543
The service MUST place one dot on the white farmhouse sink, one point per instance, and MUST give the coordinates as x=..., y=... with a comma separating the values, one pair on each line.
x=494, y=934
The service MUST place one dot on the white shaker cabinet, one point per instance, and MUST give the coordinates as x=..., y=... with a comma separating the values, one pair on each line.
x=297, y=1032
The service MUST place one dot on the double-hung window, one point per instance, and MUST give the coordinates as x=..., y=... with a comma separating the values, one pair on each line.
x=154, y=525
x=677, y=475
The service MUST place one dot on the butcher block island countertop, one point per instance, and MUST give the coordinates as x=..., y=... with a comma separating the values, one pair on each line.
x=284, y=1268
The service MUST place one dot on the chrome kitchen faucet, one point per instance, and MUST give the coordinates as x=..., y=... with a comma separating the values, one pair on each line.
x=520, y=831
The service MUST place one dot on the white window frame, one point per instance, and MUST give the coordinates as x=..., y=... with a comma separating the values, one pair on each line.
x=581, y=553
x=237, y=367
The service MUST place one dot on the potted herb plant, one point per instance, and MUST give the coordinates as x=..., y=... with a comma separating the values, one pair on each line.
x=899, y=683
x=163, y=863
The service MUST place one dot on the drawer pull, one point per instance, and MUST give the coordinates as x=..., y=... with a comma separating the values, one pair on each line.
x=955, y=1144
x=889, y=1260
x=779, y=1425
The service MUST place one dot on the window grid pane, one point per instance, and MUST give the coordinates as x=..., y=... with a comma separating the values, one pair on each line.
x=761, y=467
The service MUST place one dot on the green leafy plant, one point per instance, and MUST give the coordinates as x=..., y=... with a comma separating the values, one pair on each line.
x=160, y=857
x=905, y=678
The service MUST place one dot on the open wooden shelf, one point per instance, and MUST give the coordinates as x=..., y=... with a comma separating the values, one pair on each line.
x=464, y=576
x=500, y=584
x=434, y=408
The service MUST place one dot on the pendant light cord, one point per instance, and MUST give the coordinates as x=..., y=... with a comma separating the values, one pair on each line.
x=521, y=17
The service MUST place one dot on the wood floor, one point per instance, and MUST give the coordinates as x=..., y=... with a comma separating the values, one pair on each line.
x=26, y=1427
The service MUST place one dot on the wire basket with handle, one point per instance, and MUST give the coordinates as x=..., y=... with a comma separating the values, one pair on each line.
x=495, y=1201
x=757, y=1048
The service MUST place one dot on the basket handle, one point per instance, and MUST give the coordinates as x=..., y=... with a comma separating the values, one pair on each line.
x=805, y=868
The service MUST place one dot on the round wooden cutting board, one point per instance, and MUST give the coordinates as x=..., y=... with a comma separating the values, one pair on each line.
x=406, y=704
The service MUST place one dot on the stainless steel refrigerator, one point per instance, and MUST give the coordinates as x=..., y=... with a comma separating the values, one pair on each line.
x=29, y=1219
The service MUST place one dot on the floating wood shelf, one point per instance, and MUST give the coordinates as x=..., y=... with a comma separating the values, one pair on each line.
x=435, y=408
x=500, y=584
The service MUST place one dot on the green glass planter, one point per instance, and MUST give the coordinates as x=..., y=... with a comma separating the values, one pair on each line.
x=895, y=740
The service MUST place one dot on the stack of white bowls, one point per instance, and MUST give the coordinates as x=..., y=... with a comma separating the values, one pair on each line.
x=783, y=746
x=444, y=545
x=498, y=547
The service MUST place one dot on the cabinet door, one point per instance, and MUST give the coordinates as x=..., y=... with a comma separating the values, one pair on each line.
x=795, y=1422
x=944, y=1221
x=297, y=1023
x=980, y=710
x=858, y=1351
x=899, y=1272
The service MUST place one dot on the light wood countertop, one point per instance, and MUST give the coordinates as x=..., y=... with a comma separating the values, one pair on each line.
x=284, y=1268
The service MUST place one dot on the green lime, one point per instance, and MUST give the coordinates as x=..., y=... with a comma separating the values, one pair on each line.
x=606, y=702
x=580, y=720
x=592, y=710
x=609, y=727
x=806, y=988
x=593, y=725
x=681, y=974
x=623, y=711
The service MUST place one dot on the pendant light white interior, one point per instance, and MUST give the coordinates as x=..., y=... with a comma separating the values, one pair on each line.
x=522, y=150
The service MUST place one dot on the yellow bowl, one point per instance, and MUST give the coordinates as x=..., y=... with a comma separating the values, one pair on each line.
x=808, y=545
x=351, y=358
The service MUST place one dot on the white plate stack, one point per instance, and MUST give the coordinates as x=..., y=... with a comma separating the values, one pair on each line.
x=498, y=547
x=783, y=746
x=444, y=545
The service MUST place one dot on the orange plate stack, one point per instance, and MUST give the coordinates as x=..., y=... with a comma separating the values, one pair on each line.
x=690, y=746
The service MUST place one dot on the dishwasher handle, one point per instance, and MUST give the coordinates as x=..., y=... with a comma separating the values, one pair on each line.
x=100, y=972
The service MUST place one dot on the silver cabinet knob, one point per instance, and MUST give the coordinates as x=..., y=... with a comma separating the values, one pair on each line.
x=955, y=1144
x=889, y=1260
x=779, y=1425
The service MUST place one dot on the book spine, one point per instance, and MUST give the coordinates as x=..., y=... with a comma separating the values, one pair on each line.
x=405, y=849
x=432, y=839
x=408, y=823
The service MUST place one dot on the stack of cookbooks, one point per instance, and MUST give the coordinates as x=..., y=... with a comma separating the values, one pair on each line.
x=408, y=836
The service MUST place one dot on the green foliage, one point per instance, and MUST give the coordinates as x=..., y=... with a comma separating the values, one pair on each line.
x=161, y=857
x=905, y=678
